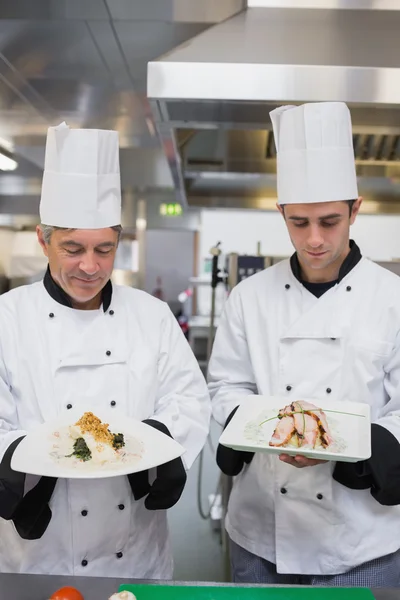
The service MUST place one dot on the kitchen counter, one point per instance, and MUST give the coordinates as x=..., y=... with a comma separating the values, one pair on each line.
x=40, y=587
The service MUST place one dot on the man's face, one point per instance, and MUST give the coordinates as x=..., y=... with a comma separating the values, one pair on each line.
x=320, y=235
x=81, y=260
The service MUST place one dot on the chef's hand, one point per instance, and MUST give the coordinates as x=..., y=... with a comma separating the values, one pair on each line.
x=300, y=461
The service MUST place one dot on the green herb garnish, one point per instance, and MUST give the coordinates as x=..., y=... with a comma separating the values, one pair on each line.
x=118, y=441
x=298, y=412
x=81, y=450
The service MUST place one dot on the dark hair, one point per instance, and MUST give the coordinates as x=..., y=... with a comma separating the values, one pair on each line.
x=350, y=204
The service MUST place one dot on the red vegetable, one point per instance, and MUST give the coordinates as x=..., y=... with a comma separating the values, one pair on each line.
x=67, y=593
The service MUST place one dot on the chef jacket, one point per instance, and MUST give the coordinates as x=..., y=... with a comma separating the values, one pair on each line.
x=276, y=337
x=129, y=356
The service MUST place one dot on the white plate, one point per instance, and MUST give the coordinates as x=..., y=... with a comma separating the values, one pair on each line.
x=151, y=448
x=351, y=432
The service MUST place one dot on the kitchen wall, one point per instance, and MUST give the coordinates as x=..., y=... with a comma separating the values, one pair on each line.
x=170, y=258
x=6, y=244
x=189, y=220
x=239, y=231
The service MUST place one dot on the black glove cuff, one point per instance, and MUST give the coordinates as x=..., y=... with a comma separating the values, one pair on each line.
x=12, y=483
x=380, y=473
x=33, y=513
x=169, y=483
x=230, y=461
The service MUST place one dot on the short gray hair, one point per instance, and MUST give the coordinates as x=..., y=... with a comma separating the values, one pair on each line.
x=48, y=230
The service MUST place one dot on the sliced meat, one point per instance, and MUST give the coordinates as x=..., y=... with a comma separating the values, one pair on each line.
x=303, y=404
x=311, y=431
x=326, y=437
x=299, y=423
x=283, y=431
x=287, y=410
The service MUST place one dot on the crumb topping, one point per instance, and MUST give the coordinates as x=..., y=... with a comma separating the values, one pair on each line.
x=91, y=424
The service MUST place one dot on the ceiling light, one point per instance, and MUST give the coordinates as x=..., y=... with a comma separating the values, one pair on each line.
x=6, y=144
x=226, y=175
x=7, y=164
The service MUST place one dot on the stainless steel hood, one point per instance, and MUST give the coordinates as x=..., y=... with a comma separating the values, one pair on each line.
x=211, y=96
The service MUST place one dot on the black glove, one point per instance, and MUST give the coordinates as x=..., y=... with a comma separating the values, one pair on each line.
x=380, y=473
x=170, y=480
x=12, y=483
x=30, y=513
x=33, y=514
x=230, y=461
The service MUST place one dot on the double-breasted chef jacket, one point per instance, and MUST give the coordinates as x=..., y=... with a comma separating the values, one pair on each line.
x=129, y=356
x=276, y=337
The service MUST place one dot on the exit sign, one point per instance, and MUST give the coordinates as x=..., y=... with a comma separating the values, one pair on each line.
x=171, y=210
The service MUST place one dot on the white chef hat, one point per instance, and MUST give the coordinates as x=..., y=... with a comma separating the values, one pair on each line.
x=315, y=156
x=81, y=186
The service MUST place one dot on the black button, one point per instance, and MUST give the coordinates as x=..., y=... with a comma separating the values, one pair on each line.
x=121, y=506
x=283, y=490
x=328, y=390
x=119, y=555
x=348, y=289
x=113, y=403
x=69, y=406
x=288, y=387
x=108, y=352
x=333, y=339
x=319, y=496
x=84, y=563
x=51, y=315
x=111, y=312
x=287, y=286
x=84, y=513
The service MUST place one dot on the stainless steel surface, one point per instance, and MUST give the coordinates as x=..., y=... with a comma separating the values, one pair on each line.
x=222, y=84
x=327, y=4
x=85, y=61
x=40, y=587
x=257, y=55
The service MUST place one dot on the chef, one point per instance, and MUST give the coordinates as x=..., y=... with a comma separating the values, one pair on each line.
x=75, y=339
x=323, y=325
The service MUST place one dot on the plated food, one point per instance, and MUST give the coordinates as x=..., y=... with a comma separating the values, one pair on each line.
x=302, y=425
x=94, y=441
x=322, y=429
x=90, y=441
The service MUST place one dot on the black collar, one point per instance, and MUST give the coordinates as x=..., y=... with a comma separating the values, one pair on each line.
x=351, y=260
x=58, y=294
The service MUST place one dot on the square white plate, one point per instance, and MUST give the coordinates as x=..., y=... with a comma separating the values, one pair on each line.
x=351, y=431
x=148, y=447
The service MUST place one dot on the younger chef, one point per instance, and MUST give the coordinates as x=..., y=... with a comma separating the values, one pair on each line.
x=324, y=324
x=75, y=339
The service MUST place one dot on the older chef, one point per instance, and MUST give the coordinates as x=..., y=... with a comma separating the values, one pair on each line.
x=324, y=324
x=72, y=338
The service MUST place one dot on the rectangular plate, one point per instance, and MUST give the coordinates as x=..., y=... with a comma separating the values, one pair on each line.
x=207, y=592
x=33, y=454
x=351, y=431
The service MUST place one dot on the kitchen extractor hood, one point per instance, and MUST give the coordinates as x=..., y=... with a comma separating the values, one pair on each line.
x=211, y=96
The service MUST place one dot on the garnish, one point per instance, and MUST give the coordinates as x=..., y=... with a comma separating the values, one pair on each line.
x=118, y=441
x=81, y=450
x=297, y=412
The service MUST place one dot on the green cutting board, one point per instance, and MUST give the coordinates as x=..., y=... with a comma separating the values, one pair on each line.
x=176, y=592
